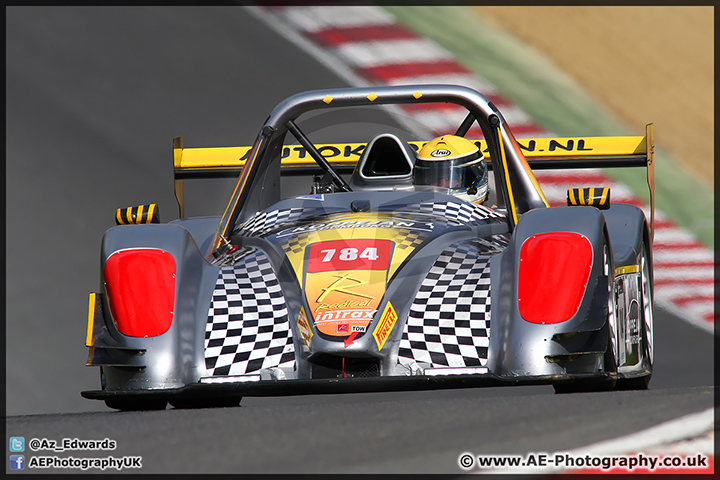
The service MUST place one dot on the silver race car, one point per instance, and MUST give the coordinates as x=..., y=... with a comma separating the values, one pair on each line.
x=379, y=265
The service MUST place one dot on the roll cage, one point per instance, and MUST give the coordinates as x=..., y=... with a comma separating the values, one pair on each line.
x=258, y=185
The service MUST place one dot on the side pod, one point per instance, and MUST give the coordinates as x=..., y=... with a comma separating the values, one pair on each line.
x=559, y=259
x=161, y=352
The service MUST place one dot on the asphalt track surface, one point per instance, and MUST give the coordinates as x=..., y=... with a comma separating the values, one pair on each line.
x=94, y=97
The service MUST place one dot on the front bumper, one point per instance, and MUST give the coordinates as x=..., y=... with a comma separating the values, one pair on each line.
x=337, y=385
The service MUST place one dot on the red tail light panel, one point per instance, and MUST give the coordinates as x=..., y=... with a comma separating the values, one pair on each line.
x=552, y=277
x=140, y=284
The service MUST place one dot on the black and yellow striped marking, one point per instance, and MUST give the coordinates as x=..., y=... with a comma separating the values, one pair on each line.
x=593, y=197
x=137, y=215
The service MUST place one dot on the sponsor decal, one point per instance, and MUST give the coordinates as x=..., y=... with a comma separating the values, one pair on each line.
x=345, y=224
x=348, y=297
x=347, y=328
x=351, y=152
x=440, y=152
x=634, y=323
x=344, y=283
x=362, y=254
x=347, y=304
x=296, y=241
x=304, y=327
x=319, y=196
x=627, y=269
x=334, y=315
x=385, y=325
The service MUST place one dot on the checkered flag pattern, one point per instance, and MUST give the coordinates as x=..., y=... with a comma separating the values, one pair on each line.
x=248, y=328
x=296, y=243
x=449, y=320
x=492, y=244
x=459, y=212
x=409, y=239
x=264, y=222
x=233, y=258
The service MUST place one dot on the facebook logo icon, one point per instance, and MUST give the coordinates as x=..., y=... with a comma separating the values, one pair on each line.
x=17, y=462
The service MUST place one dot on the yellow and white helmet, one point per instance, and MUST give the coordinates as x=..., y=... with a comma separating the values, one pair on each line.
x=454, y=163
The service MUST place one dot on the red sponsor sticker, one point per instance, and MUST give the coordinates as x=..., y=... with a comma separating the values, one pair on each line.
x=351, y=254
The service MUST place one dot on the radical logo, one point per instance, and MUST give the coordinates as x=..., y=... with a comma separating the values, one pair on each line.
x=343, y=287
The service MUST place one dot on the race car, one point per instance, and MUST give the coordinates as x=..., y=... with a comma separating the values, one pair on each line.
x=384, y=264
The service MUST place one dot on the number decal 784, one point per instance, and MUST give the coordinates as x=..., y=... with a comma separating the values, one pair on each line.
x=351, y=254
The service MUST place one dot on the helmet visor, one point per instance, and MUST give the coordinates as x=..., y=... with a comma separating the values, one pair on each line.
x=457, y=174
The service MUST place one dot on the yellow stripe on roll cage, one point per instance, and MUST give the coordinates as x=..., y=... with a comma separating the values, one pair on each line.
x=507, y=177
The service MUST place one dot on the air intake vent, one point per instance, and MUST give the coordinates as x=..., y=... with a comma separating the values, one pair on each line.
x=331, y=366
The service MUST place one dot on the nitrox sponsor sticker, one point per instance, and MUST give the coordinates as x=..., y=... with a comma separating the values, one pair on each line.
x=345, y=282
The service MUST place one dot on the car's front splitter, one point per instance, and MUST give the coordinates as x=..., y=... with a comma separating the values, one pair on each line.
x=336, y=385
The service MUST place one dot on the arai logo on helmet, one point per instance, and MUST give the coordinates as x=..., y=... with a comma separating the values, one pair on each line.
x=440, y=152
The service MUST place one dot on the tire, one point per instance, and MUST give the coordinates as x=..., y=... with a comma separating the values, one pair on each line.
x=646, y=334
x=210, y=402
x=136, y=404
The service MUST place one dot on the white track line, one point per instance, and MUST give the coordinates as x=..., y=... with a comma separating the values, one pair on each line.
x=688, y=426
x=672, y=291
x=685, y=273
x=391, y=52
x=288, y=31
x=466, y=80
x=674, y=235
x=313, y=19
x=688, y=256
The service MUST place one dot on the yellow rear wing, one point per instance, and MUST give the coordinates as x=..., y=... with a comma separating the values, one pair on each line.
x=540, y=153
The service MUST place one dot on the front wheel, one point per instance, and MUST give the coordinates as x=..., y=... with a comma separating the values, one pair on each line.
x=645, y=328
x=135, y=404
x=206, y=402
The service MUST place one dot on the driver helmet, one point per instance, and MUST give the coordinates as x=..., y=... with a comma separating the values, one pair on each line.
x=454, y=163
